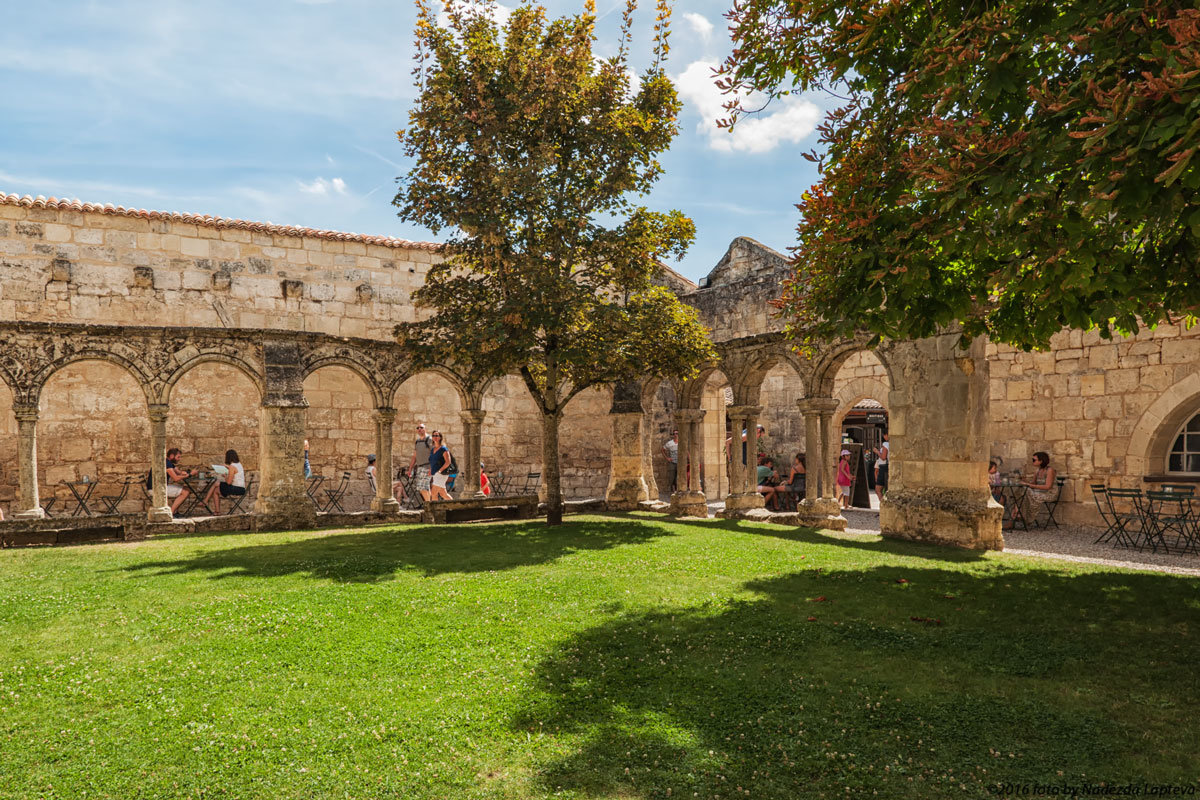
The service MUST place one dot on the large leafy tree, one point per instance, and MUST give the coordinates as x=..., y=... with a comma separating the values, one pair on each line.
x=530, y=151
x=1016, y=165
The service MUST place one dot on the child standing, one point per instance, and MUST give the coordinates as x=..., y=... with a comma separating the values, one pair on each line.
x=843, y=478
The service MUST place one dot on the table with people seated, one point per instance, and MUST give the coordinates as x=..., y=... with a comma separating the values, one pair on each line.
x=1011, y=493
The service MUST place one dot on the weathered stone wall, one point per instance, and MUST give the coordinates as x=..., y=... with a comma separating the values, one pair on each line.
x=1083, y=402
x=77, y=266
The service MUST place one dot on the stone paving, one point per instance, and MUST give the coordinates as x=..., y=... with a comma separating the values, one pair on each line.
x=1068, y=543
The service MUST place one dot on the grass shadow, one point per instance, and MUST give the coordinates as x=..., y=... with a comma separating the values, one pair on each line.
x=904, y=682
x=378, y=554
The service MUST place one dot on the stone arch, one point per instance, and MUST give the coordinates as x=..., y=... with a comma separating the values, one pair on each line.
x=246, y=369
x=206, y=429
x=585, y=441
x=1151, y=437
x=466, y=398
x=827, y=363
x=135, y=371
x=379, y=396
x=93, y=422
x=855, y=392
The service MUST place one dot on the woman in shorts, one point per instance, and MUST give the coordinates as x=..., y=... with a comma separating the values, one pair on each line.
x=234, y=484
x=439, y=468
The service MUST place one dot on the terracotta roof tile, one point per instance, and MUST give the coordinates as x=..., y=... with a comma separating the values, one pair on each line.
x=212, y=222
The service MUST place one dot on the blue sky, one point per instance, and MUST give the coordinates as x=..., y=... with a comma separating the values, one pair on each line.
x=285, y=111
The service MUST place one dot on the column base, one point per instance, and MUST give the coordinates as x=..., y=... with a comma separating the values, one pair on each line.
x=162, y=514
x=32, y=513
x=278, y=513
x=743, y=502
x=688, y=504
x=386, y=505
x=959, y=517
x=624, y=494
x=821, y=513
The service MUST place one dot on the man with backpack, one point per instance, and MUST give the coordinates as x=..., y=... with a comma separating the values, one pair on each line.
x=419, y=465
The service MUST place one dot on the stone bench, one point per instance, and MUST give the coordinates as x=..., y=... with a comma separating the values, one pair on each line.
x=475, y=508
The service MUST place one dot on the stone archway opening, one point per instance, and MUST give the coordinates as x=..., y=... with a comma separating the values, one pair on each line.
x=10, y=479
x=717, y=394
x=430, y=398
x=340, y=428
x=216, y=407
x=93, y=424
x=660, y=401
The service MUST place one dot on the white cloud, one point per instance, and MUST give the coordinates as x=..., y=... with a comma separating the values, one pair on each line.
x=323, y=187
x=787, y=121
x=700, y=25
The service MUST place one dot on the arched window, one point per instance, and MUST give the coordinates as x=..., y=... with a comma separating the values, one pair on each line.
x=1184, y=455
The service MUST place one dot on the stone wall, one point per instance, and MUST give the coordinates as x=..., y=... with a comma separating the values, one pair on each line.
x=61, y=264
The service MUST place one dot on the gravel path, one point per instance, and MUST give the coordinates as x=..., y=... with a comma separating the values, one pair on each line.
x=1068, y=543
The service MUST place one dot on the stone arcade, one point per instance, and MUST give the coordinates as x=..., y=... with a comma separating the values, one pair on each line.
x=227, y=331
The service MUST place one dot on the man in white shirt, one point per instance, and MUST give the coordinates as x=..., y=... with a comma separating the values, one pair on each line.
x=671, y=452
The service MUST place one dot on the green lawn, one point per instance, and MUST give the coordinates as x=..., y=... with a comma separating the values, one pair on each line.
x=614, y=657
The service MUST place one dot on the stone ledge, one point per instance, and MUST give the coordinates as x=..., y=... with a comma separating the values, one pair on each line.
x=961, y=518
x=477, y=508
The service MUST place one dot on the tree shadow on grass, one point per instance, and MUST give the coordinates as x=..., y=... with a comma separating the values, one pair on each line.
x=432, y=550
x=931, y=552
x=826, y=684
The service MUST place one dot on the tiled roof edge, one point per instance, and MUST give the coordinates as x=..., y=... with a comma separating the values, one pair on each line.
x=212, y=222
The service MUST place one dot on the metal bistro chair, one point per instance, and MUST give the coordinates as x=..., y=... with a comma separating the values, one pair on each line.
x=112, y=502
x=334, y=496
x=1099, y=490
x=1129, y=515
x=1171, y=512
x=48, y=504
x=532, y=480
x=1050, y=506
x=236, y=500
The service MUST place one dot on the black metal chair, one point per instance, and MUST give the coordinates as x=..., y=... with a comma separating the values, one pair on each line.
x=532, y=480
x=236, y=500
x=1128, y=513
x=334, y=496
x=1050, y=506
x=1099, y=490
x=111, y=502
x=49, y=504
x=1171, y=513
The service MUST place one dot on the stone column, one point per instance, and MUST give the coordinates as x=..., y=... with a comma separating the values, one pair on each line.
x=281, y=492
x=938, y=451
x=819, y=509
x=689, y=501
x=831, y=442
x=28, y=501
x=743, y=494
x=160, y=506
x=472, y=420
x=814, y=460
x=385, y=469
x=626, y=478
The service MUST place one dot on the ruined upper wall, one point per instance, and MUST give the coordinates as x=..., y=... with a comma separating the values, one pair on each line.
x=734, y=299
x=67, y=261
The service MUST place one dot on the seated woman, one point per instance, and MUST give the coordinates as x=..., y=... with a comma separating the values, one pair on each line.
x=1043, y=488
x=234, y=484
x=796, y=480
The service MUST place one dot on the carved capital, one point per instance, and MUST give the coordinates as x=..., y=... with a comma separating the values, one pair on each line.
x=683, y=415
x=386, y=415
x=25, y=413
x=821, y=406
x=472, y=416
x=158, y=412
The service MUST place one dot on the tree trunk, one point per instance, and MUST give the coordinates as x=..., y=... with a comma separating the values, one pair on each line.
x=550, y=471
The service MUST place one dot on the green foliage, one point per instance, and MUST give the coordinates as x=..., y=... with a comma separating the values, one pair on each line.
x=614, y=657
x=1018, y=166
x=529, y=151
